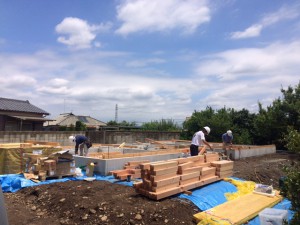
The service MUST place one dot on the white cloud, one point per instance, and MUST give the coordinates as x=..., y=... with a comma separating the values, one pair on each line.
x=145, y=62
x=78, y=33
x=57, y=82
x=93, y=83
x=284, y=13
x=246, y=76
x=252, y=31
x=276, y=59
x=161, y=16
x=18, y=81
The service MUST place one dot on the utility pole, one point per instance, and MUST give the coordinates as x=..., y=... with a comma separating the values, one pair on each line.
x=116, y=114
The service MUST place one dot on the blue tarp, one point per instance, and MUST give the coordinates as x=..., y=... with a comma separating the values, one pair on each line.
x=15, y=182
x=210, y=195
x=204, y=198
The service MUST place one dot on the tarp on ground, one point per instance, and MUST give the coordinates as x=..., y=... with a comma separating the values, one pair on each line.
x=15, y=182
x=204, y=198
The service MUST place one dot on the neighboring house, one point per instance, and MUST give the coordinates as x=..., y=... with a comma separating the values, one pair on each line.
x=69, y=119
x=18, y=115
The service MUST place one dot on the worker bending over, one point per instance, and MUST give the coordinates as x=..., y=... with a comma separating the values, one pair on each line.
x=227, y=141
x=81, y=142
x=198, y=140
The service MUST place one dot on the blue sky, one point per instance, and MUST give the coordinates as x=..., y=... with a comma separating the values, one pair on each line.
x=158, y=59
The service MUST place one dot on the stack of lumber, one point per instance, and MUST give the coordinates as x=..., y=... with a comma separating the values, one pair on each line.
x=131, y=169
x=224, y=168
x=210, y=157
x=165, y=178
x=57, y=164
x=12, y=159
x=159, y=179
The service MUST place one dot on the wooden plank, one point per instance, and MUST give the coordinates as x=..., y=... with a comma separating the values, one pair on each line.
x=240, y=210
x=189, y=175
x=161, y=177
x=163, y=194
x=185, y=166
x=208, y=170
x=188, y=181
x=190, y=170
x=165, y=187
x=204, y=177
x=163, y=165
x=222, y=164
x=191, y=186
x=170, y=170
x=210, y=180
x=225, y=172
x=167, y=181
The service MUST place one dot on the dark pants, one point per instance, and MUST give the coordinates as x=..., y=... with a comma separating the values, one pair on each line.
x=194, y=150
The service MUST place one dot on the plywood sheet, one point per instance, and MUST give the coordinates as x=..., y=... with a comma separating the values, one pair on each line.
x=240, y=210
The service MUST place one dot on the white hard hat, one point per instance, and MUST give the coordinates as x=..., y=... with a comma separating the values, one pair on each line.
x=229, y=132
x=207, y=129
x=72, y=138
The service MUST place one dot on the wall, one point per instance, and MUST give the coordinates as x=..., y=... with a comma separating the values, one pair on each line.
x=61, y=137
x=116, y=137
x=104, y=137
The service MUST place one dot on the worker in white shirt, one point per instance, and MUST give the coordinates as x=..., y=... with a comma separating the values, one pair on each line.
x=198, y=140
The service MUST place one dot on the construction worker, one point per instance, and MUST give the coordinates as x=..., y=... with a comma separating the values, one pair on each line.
x=198, y=140
x=81, y=142
x=227, y=141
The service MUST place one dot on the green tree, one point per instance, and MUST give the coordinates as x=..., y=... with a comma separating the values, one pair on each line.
x=124, y=123
x=291, y=185
x=196, y=122
x=272, y=123
x=79, y=126
x=112, y=123
x=162, y=125
x=243, y=126
x=292, y=140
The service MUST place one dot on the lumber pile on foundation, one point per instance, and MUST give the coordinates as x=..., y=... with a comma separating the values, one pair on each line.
x=166, y=178
x=131, y=169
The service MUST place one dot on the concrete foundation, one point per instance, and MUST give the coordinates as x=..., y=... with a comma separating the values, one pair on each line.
x=104, y=166
x=249, y=151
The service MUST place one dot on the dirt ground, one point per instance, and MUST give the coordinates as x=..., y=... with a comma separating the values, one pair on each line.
x=101, y=202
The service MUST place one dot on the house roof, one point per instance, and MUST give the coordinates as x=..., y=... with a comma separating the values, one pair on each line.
x=68, y=119
x=32, y=118
x=7, y=104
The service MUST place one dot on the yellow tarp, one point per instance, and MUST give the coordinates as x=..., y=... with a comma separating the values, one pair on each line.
x=243, y=188
x=237, y=211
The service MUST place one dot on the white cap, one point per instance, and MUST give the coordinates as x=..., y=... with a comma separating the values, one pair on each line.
x=229, y=132
x=207, y=129
x=72, y=138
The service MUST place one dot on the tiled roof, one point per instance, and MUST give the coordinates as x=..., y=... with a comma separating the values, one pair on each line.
x=7, y=104
x=68, y=118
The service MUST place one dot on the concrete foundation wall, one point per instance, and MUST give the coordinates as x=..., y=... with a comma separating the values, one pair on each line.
x=104, y=166
x=116, y=137
x=62, y=137
x=103, y=137
x=255, y=151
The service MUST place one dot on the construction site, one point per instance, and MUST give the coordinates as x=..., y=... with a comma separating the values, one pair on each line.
x=151, y=182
